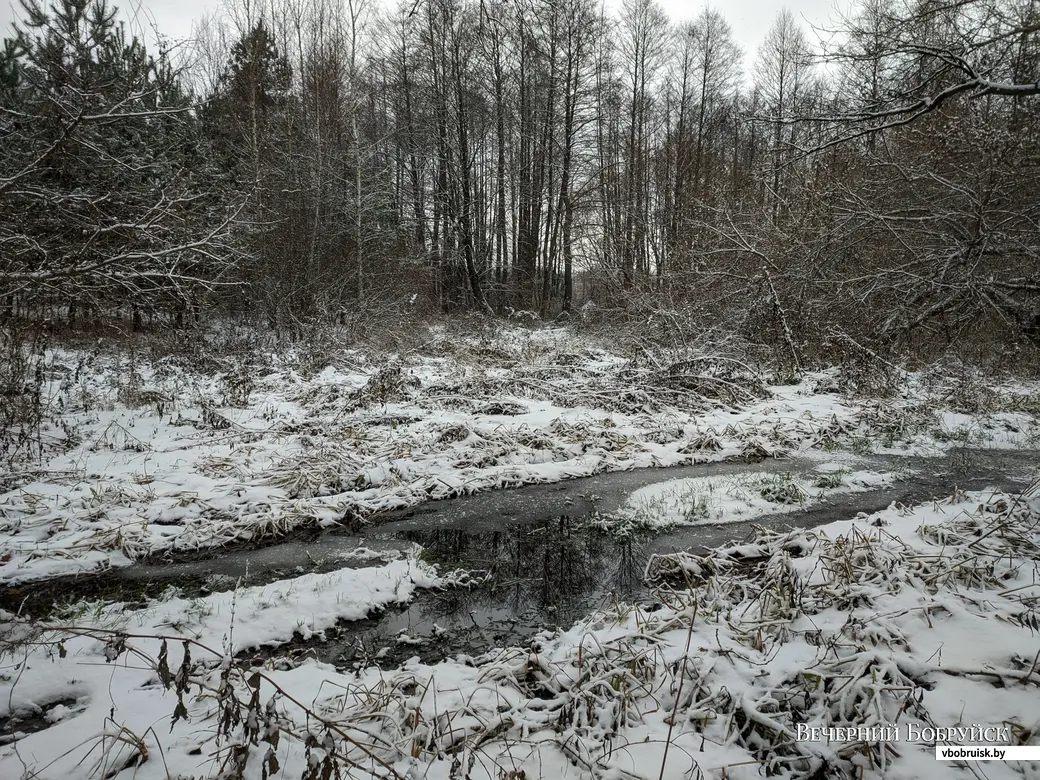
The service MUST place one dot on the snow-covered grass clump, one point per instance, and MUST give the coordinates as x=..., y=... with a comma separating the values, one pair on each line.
x=922, y=617
x=734, y=498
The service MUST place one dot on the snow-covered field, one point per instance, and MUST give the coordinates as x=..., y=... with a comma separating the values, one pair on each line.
x=922, y=616
x=155, y=456
x=907, y=618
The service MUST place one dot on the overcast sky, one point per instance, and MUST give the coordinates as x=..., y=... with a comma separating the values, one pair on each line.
x=750, y=18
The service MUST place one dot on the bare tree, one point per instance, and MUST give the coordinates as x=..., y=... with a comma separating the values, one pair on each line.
x=708, y=76
x=781, y=72
x=927, y=54
x=644, y=38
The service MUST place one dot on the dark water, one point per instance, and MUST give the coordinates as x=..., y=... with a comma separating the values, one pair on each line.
x=538, y=575
x=543, y=566
x=551, y=571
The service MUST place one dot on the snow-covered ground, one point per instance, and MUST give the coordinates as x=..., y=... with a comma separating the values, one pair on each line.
x=916, y=618
x=153, y=455
x=913, y=617
x=734, y=499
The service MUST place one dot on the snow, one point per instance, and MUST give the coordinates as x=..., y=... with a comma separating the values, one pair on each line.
x=276, y=613
x=732, y=499
x=863, y=621
x=923, y=616
x=159, y=457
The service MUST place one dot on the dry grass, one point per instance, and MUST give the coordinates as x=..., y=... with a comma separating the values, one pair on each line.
x=693, y=666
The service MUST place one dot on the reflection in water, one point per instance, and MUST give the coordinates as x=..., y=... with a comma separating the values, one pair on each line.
x=551, y=570
x=554, y=570
x=558, y=568
x=539, y=575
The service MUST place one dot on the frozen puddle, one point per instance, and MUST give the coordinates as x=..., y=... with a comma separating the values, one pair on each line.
x=551, y=570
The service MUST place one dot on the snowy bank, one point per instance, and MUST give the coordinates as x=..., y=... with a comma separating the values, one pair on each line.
x=923, y=617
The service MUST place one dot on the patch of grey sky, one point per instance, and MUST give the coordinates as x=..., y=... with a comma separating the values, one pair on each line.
x=750, y=19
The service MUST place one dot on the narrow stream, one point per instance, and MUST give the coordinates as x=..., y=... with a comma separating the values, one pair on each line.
x=550, y=571
x=545, y=567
